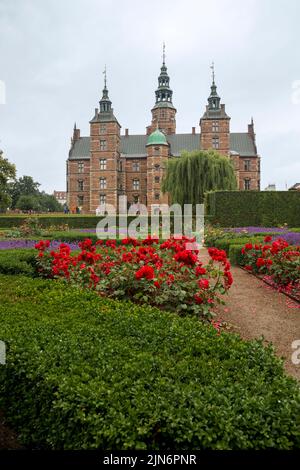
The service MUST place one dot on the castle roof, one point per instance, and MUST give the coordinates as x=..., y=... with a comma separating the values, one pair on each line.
x=134, y=146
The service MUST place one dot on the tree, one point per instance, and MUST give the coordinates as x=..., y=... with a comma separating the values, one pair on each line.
x=24, y=186
x=28, y=203
x=49, y=203
x=190, y=176
x=7, y=174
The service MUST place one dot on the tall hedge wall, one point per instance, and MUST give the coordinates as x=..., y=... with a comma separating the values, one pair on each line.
x=73, y=221
x=253, y=208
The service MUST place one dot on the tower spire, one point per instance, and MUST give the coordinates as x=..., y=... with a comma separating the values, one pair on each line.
x=164, y=93
x=213, y=99
x=213, y=71
x=164, y=53
x=105, y=103
x=104, y=71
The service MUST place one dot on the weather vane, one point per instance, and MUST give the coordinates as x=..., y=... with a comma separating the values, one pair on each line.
x=164, y=52
x=213, y=71
x=104, y=71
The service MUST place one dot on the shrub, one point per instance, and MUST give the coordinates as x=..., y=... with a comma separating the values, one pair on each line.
x=90, y=373
x=235, y=254
x=18, y=262
x=253, y=208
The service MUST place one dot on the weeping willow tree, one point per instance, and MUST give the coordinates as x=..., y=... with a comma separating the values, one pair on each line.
x=190, y=176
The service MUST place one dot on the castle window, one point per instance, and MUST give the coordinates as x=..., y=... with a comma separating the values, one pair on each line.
x=156, y=196
x=103, y=145
x=156, y=167
x=247, y=165
x=215, y=126
x=80, y=200
x=102, y=183
x=162, y=113
x=247, y=184
x=102, y=198
x=80, y=185
x=136, y=199
x=135, y=166
x=136, y=184
x=102, y=128
x=157, y=179
x=156, y=150
x=103, y=164
x=215, y=142
x=80, y=167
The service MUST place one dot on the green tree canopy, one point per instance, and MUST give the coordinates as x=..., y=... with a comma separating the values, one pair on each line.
x=7, y=174
x=190, y=176
x=24, y=186
x=28, y=203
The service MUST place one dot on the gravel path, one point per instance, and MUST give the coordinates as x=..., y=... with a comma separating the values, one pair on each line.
x=254, y=309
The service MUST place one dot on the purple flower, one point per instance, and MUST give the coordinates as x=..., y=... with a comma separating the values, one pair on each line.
x=257, y=229
x=17, y=244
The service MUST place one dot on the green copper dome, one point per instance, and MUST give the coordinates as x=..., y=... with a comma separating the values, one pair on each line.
x=157, y=138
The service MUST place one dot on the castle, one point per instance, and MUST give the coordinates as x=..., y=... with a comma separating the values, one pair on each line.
x=106, y=165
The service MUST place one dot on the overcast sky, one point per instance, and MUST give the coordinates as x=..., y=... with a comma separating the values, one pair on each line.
x=53, y=52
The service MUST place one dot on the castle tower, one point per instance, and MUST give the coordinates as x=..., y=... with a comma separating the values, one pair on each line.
x=157, y=158
x=163, y=112
x=215, y=124
x=105, y=165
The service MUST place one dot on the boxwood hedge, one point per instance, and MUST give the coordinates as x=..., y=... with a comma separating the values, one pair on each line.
x=18, y=261
x=85, y=373
x=253, y=208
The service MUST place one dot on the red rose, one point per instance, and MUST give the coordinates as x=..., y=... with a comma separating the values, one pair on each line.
x=146, y=272
x=268, y=238
x=203, y=284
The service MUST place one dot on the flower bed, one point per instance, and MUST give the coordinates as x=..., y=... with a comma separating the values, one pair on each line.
x=165, y=275
x=275, y=261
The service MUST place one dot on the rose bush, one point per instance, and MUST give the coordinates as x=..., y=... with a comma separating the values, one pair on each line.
x=166, y=275
x=276, y=260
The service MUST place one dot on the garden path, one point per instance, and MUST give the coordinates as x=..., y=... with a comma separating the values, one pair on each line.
x=254, y=309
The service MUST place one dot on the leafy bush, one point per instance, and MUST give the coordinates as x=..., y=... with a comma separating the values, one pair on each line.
x=235, y=254
x=256, y=208
x=18, y=262
x=89, y=373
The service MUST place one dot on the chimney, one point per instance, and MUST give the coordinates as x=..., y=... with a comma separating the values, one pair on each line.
x=126, y=132
x=193, y=130
x=96, y=112
x=251, y=128
x=76, y=134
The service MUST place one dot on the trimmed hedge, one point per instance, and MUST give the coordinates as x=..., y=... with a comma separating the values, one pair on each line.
x=226, y=243
x=253, y=208
x=235, y=254
x=85, y=372
x=18, y=261
x=74, y=221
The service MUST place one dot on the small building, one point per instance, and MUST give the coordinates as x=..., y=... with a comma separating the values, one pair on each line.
x=60, y=196
x=271, y=187
x=296, y=187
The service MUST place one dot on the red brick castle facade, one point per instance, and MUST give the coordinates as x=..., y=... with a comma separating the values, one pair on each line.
x=106, y=165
